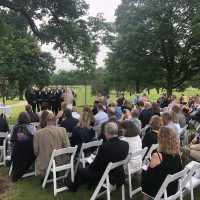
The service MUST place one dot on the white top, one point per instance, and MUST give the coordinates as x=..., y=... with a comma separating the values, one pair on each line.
x=6, y=110
x=100, y=118
x=75, y=115
x=135, y=144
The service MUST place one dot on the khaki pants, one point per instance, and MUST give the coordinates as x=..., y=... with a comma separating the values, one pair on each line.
x=185, y=157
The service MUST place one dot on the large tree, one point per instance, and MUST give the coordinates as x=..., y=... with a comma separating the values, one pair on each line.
x=22, y=60
x=158, y=41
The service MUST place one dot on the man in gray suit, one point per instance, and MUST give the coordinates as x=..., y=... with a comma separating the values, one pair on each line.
x=45, y=141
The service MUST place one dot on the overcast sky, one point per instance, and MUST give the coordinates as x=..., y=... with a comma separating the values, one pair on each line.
x=107, y=7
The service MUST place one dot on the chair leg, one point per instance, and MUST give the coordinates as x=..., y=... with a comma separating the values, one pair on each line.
x=54, y=179
x=11, y=168
x=108, y=187
x=123, y=192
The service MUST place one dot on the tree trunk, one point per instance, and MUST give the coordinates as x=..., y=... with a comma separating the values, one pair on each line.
x=169, y=82
x=21, y=92
x=157, y=90
x=137, y=87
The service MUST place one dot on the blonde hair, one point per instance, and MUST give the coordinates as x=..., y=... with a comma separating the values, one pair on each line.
x=175, y=118
x=155, y=122
x=84, y=121
x=168, y=141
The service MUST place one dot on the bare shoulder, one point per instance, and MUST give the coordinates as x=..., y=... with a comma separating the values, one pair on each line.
x=155, y=160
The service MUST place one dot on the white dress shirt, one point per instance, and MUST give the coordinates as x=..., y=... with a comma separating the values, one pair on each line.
x=100, y=118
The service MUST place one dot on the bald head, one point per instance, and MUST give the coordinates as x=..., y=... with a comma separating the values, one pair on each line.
x=111, y=111
x=51, y=119
x=147, y=105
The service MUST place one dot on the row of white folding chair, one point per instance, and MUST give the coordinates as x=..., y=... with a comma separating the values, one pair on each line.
x=152, y=148
x=52, y=167
x=81, y=158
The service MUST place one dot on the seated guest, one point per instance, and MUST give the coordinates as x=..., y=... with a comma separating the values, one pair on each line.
x=185, y=112
x=192, y=151
x=139, y=106
x=137, y=99
x=113, y=150
x=151, y=136
x=156, y=109
x=118, y=111
x=126, y=115
x=130, y=134
x=175, y=120
x=3, y=128
x=167, y=121
x=33, y=116
x=92, y=119
x=112, y=118
x=69, y=123
x=60, y=114
x=74, y=113
x=177, y=109
x=165, y=161
x=146, y=114
x=173, y=101
x=45, y=141
x=83, y=132
x=144, y=98
x=44, y=106
x=43, y=120
x=22, y=141
x=164, y=102
x=101, y=116
x=135, y=120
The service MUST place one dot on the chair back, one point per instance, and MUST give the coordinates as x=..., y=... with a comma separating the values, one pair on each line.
x=84, y=147
x=3, y=134
x=97, y=130
x=153, y=147
x=170, y=178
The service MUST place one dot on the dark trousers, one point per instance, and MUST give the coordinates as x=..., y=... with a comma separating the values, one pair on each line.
x=39, y=103
x=33, y=107
x=84, y=176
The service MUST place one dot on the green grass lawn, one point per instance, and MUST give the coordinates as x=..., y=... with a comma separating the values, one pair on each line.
x=30, y=188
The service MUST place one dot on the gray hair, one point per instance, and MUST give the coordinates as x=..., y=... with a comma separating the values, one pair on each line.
x=111, y=128
x=135, y=113
x=167, y=115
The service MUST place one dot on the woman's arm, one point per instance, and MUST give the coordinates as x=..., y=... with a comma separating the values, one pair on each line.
x=155, y=160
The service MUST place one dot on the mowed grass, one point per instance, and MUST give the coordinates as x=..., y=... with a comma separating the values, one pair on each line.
x=31, y=188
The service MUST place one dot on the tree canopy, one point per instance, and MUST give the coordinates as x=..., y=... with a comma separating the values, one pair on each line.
x=157, y=42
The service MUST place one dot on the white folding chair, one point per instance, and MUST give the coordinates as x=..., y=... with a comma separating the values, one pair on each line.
x=82, y=158
x=97, y=130
x=191, y=181
x=105, y=178
x=153, y=147
x=3, y=147
x=54, y=168
x=136, y=155
x=35, y=124
x=170, y=178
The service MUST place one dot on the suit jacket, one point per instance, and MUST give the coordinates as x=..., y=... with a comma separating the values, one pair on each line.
x=33, y=117
x=113, y=150
x=45, y=141
x=69, y=124
x=145, y=116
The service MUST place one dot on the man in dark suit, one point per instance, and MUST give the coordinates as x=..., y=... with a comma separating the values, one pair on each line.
x=146, y=114
x=31, y=97
x=113, y=150
x=69, y=123
x=112, y=118
x=40, y=98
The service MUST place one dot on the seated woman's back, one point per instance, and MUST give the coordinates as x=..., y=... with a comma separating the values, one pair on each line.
x=82, y=133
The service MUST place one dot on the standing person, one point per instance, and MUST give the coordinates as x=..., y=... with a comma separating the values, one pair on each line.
x=137, y=99
x=32, y=99
x=40, y=99
x=27, y=92
x=120, y=100
x=68, y=97
x=46, y=97
x=45, y=141
x=165, y=161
